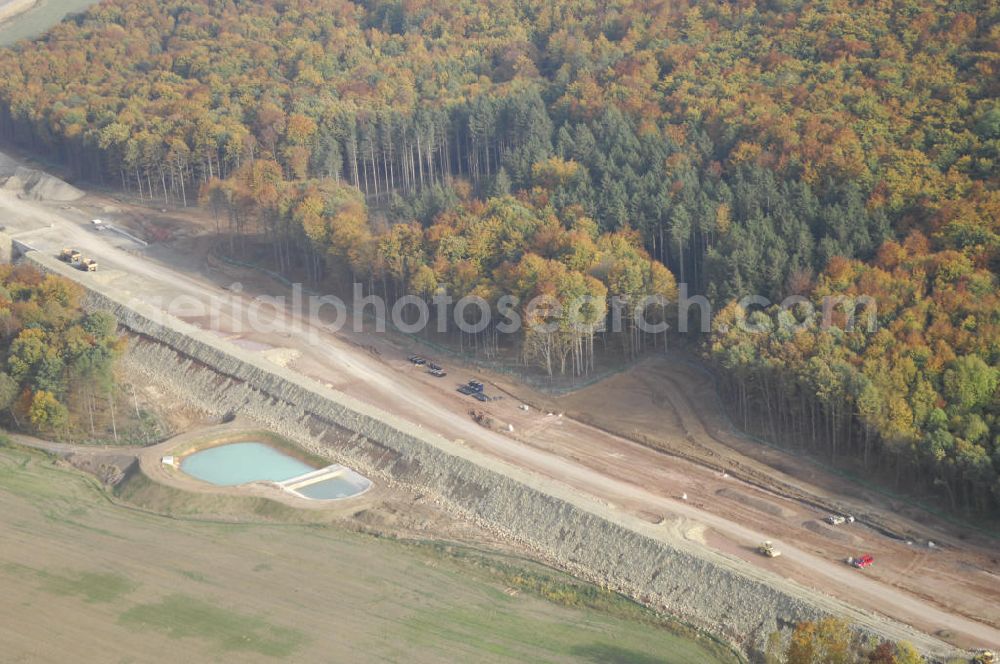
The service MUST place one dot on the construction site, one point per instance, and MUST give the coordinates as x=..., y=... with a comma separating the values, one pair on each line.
x=639, y=482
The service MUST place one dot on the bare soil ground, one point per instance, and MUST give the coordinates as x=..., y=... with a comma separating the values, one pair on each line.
x=960, y=572
x=737, y=493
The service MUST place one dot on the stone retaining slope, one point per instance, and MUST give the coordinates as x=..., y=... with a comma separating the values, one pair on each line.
x=566, y=528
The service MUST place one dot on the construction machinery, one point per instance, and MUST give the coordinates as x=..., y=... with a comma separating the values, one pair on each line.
x=862, y=561
x=88, y=265
x=481, y=418
x=767, y=549
x=69, y=255
x=474, y=389
x=838, y=519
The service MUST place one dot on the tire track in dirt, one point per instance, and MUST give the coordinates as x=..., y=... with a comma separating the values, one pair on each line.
x=697, y=429
x=712, y=459
x=761, y=479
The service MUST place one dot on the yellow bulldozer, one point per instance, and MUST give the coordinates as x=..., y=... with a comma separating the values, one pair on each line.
x=69, y=255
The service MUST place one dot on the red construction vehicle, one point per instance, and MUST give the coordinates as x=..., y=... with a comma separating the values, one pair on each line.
x=861, y=562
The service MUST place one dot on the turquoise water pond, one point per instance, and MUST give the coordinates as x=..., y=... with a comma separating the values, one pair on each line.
x=239, y=463
x=336, y=487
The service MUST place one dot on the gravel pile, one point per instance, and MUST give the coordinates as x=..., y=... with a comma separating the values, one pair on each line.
x=37, y=185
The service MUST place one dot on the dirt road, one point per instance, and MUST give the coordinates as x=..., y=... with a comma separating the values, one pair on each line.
x=721, y=513
x=11, y=8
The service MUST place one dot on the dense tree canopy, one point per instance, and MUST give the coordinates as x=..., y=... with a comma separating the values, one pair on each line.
x=746, y=142
x=775, y=147
x=52, y=353
x=832, y=641
x=915, y=392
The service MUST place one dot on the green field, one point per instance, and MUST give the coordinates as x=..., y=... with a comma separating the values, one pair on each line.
x=85, y=577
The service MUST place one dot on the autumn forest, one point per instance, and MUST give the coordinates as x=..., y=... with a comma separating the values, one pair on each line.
x=596, y=148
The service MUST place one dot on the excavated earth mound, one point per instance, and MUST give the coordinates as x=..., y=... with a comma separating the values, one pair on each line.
x=37, y=185
x=7, y=166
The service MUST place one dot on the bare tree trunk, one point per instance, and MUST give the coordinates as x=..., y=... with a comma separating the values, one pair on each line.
x=420, y=160
x=135, y=401
x=114, y=426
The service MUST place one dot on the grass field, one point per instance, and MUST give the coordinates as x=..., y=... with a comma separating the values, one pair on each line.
x=87, y=579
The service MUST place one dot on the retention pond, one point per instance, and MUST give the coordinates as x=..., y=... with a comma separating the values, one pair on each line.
x=234, y=464
x=239, y=463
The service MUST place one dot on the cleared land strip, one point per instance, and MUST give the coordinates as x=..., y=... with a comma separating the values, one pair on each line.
x=565, y=526
x=11, y=8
